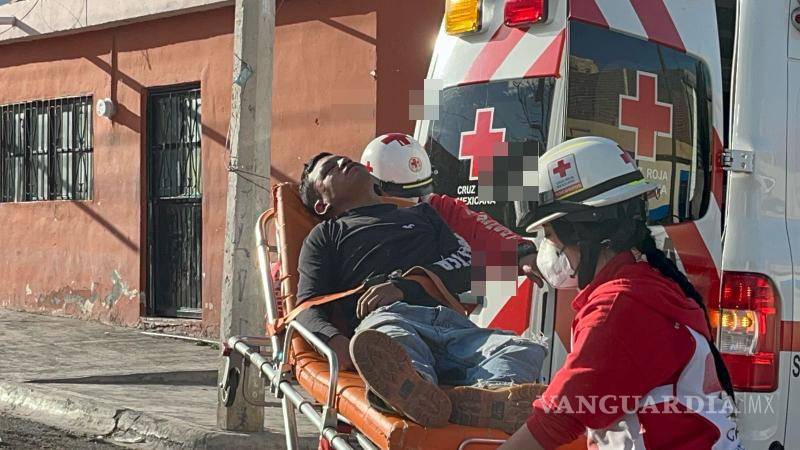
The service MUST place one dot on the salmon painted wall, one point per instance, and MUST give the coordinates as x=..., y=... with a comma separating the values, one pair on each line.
x=326, y=97
x=85, y=259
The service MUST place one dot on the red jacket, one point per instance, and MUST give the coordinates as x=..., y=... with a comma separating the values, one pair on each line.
x=629, y=337
x=492, y=243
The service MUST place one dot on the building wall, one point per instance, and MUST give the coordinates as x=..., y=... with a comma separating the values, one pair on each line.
x=85, y=258
x=343, y=71
x=325, y=95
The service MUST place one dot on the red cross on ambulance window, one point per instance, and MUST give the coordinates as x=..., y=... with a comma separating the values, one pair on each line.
x=480, y=142
x=645, y=116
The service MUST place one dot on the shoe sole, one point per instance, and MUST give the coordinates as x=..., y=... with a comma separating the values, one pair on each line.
x=506, y=409
x=387, y=370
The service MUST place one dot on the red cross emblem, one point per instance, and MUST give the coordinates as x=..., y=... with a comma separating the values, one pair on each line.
x=645, y=116
x=479, y=144
x=562, y=168
x=414, y=164
x=369, y=167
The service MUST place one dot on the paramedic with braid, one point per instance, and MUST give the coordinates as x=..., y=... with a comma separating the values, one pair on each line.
x=397, y=333
x=643, y=371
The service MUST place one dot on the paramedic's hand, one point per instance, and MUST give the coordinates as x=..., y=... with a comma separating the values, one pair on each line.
x=527, y=265
x=341, y=346
x=379, y=295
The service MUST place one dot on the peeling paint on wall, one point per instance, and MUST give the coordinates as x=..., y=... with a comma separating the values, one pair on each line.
x=112, y=302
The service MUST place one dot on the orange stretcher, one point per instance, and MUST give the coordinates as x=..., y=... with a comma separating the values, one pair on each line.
x=340, y=396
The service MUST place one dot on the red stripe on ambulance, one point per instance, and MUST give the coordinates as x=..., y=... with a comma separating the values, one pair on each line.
x=493, y=54
x=587, y=11
x=696, y=259
x=658, y=23
x=790, y=336
x=549, y=62
x=516, y=313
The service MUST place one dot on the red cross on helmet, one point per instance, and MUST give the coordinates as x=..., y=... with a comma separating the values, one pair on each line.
x=400, y=165
x=586, y=172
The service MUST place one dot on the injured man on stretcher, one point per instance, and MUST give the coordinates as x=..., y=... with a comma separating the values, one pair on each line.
x=420, y=356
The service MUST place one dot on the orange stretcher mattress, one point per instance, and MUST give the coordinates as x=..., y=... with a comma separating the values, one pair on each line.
x=293, y=223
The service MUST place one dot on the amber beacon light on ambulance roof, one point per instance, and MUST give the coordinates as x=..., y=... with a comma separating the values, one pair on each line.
x=466, y=16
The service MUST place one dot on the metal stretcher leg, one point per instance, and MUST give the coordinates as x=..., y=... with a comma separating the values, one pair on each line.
x=290, y=424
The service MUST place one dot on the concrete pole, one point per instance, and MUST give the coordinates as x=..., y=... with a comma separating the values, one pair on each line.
x=243, y=307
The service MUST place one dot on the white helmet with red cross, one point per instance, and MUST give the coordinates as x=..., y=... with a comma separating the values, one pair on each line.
x=400, y=165
x=585, y=173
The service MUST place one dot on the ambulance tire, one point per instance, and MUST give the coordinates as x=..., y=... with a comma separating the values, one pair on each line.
x=229, y=388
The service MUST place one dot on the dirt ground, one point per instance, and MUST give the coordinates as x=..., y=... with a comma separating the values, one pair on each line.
x=18, y=434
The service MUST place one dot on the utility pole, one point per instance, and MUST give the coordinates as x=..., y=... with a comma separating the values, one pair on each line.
x=243, y=307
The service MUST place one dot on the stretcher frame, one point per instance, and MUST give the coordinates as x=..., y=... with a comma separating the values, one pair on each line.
x=244, y=353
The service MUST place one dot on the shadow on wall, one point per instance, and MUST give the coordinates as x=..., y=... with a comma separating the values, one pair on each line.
x=119, y=235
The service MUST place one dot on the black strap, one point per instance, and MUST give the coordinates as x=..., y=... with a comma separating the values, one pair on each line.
x=616, y=182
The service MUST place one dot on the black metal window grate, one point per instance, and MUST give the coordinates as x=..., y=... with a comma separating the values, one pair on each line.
x=46, y=150
x=175, y=144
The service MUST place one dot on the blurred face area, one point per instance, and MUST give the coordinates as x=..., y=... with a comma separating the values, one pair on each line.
x=340, y=182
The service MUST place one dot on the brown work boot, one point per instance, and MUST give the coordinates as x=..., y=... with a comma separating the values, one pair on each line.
x=505, y=407
x=389, y=374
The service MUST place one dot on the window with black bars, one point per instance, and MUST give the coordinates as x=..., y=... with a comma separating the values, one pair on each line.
x=46, y=150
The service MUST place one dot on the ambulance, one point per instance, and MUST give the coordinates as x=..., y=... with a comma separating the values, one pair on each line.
x=705, y=95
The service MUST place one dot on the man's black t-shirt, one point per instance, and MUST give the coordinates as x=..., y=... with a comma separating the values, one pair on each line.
x=341, y=253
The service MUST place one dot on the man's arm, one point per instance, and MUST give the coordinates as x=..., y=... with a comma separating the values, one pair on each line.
x=455, y=265
x=315, y=268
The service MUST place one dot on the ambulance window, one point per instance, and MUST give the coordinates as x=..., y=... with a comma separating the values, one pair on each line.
x=655, y=102
x=513, y=111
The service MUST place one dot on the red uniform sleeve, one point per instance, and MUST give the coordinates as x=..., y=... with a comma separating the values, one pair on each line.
x=472, y=226
x=621, y=350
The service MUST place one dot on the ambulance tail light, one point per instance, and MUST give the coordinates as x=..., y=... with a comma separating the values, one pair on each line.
x=462, y=16
x=525, y=12
x=748, y=325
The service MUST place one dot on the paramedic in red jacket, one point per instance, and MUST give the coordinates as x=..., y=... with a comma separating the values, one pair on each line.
x=643, y=371
x=401, y=167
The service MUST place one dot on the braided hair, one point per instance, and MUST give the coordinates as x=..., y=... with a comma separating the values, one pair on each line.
x=622, y=227
x=668, y=268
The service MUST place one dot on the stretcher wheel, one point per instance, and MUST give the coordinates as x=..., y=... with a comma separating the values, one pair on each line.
x=230, y=386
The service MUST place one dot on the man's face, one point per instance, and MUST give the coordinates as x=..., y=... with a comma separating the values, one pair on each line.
x=339, y=179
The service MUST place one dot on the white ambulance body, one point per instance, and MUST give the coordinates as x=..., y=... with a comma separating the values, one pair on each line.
x=675, y=82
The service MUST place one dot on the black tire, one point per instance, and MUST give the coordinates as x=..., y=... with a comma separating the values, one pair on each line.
x=229, y=389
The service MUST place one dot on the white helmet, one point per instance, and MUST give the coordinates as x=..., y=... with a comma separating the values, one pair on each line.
x=399, y=164
x=586, y=172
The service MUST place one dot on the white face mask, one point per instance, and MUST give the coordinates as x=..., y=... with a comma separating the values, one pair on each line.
x=555, y=267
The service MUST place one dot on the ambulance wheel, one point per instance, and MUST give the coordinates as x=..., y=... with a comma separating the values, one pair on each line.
x=230, y=386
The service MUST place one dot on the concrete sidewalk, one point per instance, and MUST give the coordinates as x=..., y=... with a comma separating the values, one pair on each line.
x=97, y=379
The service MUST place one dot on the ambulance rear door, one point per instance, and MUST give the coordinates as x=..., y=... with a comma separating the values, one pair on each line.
x=500, y=84
x=648, y=76
x=790, y=340
x=761, y=225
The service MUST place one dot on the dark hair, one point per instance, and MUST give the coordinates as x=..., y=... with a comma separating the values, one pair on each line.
x=625, y=228
x=308, y=192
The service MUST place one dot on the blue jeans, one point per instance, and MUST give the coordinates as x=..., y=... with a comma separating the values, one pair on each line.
x=447, y=348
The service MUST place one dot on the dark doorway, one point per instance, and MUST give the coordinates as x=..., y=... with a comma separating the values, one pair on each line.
x=174, y=202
